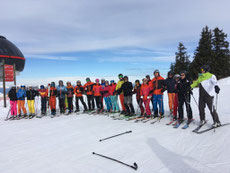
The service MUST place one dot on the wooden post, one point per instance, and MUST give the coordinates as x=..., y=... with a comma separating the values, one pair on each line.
x=4, y=82
x=14, y=74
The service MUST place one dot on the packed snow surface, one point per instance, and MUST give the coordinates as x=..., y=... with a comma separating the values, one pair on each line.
x=64, y=144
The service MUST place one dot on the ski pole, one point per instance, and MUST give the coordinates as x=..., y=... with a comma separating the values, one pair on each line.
x=195, y=101
x=134, y=166
x=216, y=101
x=7, y=117
x=115, y=135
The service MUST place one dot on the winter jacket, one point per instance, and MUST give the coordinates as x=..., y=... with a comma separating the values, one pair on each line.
x=78, y=90
x=208, y=81
x=119, y=84
x=61, y=91
x=97, y=90
x=21, y=94
x=88, y=87
x=157, y=83
x=43, y=93
x=70, y=91
x=126, y=88
x=137, y=91
x=105, y=91
x=145, y=91
x=112, y=89
x=53, y=91
x=12, y=94
x=170, y=85
x=183, y=87
x=31, y=94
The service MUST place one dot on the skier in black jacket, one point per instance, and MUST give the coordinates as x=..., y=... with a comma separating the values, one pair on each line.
x=127, y=88
x=170, y=87
x=184, y=97
x=31, y=94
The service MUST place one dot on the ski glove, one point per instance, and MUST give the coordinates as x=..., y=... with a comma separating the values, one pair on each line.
x=217, y=89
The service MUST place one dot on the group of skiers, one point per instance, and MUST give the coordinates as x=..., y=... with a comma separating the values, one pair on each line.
x=178, y=86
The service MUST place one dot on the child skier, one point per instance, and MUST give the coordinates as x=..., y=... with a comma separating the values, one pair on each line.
x=114, y=97
x=70, y=93
x=78, y=91
x=106, y=95
x=208, y=86
x=145, y=93
x=137, y=91
x=12, y=94
x=52, y=99
x=21, y=95
x=175, y=101
x=88, y=87
x=170, y=87
x=97, y=90
x=31, y=94
x=44, y=97
x=61, y=91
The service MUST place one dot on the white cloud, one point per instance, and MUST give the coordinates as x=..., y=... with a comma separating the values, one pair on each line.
x=137, y=59
x=48, y=57
x=58, y=26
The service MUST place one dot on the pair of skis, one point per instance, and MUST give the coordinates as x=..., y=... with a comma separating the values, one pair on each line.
x=198, y=131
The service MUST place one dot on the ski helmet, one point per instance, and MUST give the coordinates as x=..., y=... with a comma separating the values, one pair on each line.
x=87, y=79
x=97, y=80
x=183, y=71
x=156, y=71
x=170, y=73
x=126, y=77
x=206, y=68
x=137, y=81
x=68, y=83
x=23, y=86
x=176, y=76
x=147, y=76
x=60, y=82
x=120, y=76
x=112, y=81
x=52, y=84
x=78, y=81
x=42, y=87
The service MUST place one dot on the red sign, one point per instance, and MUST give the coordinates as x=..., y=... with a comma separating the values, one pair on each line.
x=9, y=73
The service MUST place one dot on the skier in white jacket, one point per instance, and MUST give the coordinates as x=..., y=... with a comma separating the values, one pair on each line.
x=208, y=86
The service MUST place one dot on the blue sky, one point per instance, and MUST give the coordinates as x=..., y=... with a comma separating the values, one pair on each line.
x=103, y=38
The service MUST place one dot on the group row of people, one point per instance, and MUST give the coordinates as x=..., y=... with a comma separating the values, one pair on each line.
x=178, y=87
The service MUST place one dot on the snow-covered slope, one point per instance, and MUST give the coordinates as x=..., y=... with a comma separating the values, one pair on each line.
x=65, y=144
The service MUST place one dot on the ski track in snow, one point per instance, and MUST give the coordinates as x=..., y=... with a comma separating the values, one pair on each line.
x=65, y=144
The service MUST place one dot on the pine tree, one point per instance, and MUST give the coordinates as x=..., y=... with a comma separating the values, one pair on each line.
x=182, y=60
x=203, y=53
x=220, y=61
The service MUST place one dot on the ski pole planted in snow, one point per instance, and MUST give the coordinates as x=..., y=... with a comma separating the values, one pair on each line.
x=115, y=135
x=134, y=166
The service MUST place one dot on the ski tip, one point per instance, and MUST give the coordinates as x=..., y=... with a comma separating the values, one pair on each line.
x=93, y=152
x=129, y=131
x=100, y=140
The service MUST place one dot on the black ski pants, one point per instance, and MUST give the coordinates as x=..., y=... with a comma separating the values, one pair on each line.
x=90, y=99
x=184, y=99
x=82, y=102
x=204, y=99
x=98, y=102
x=70, y=103
x=62, y=105
x=43, y=104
